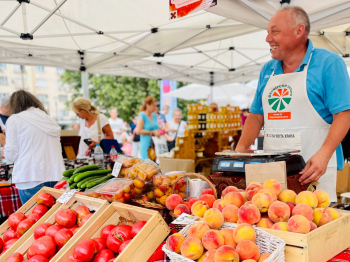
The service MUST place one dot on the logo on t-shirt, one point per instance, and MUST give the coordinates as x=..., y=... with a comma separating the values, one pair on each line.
x=279, y=99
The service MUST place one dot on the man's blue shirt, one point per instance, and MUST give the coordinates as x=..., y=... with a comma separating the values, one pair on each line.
x=327, y=85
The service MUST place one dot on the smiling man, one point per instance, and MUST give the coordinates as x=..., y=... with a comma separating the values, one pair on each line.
x=302, y=100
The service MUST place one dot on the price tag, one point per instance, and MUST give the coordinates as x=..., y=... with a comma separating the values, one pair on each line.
x=184, y=219
x=116, y=169
x=66, y=196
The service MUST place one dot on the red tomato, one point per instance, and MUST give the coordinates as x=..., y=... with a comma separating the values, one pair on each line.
x=66, y=217
x=123, y=246
x=38, y=258
x=126, y=196
x=52, y=230
x=9, y=234
x=103, y=256
x=1, y=243
x=106, y=230
x=73, y=228
x=35, y=216
x=137, y=227
x=62, y=236
x=44, y=246
x=41, y=229
x=8, y=244
x=85, y=219
x=101, y=243
x=85, y=250
x=60, y=184
x=121, y=200
x=24, y=225
x=72, y=260
x=14, y=219
x=15, y=257
x=116, y=237
x=45, y=199
x=82, y=211
x=125, y=231
x=40, y=209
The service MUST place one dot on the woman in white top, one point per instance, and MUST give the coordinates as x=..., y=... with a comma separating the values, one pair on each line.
x=33, y=144
x=93, y=126
x=175, y=128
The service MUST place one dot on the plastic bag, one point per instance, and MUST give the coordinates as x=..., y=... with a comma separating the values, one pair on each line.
x=170, y=183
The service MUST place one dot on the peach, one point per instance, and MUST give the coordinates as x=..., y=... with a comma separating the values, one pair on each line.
x=323, y=198
x=191, y=200
x=304, y=210
x=230, y=213
x=279, y=212
x=287, y=195
x=270, y=192
x=249, y=214
x=210, y=199
x=274, y=185
x=158, y=193
x=172, y=201
x=219, y=204
x=255, y=183
x=263, y=257
x=334, y=213
x=307, y=197
x=283, y=226
x=226, y=254
x=187, y=204
x=199, y=208
x=228, y=237
x=248, y=203
x=244, y=232
x=291, y=205
x=322, y=216
x=249, y=260
x=312, y=226
x=234, y=198
x=197, y=230
x=182, y=208
x=163, y=199
x=299, y=224
x=213, y=239
x=265, y=223
x=174, y=242
x=228, y=190
x=248, y=250
x=210, y=255
x=214, y=218
x=244, y=195
x=208, y=191
x=253, y=189
x=201, y=259
x=192, y=248
x=262, y=201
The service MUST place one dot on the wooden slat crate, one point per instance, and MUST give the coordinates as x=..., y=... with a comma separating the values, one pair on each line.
x=141, y=247
x=319, y=245
x=98, y=205
x=27, y=210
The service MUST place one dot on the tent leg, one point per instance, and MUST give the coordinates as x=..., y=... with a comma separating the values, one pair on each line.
x=84, y=84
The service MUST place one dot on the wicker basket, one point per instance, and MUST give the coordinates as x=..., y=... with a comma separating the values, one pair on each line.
x=266, y=242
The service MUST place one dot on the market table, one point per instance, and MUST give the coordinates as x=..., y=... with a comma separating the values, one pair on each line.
x=10, y=201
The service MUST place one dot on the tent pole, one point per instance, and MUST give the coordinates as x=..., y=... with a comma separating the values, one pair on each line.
x=84, y=84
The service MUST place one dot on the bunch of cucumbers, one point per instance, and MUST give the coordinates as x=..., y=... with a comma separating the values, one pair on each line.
x=86, y=177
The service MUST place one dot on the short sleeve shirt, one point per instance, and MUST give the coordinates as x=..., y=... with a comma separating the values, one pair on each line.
x=327, y=85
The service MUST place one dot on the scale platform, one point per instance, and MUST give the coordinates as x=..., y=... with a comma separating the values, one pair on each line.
x=230, y=163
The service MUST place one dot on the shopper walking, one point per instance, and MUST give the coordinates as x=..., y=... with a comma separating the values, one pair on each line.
x=33, y=144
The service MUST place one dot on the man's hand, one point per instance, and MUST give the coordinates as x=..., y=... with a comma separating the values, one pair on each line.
x=314, y=168
x=93, y=143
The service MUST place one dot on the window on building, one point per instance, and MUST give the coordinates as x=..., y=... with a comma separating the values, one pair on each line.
x=3, y=80
x=64, y=113
x=40, y=83
x=62, y=98
x=18, y=68
x=2, y=95
x=2, y=66
x=19, y=82
x=39, y=69
x=43, y=98
x=59, y=70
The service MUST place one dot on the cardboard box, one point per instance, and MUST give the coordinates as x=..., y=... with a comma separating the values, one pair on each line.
x=173, y=164
x=141, y=247
x=343, y=181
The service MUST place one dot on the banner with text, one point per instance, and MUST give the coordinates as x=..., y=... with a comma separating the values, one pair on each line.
x=181, y=8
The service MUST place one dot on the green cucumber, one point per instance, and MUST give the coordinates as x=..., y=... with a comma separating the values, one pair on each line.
x=73, y=186
x=71, y=179
x=81, y=182
x=84, y=175
x=86, y=168
x=97, y=182
x=83, y=186
x=68, y=172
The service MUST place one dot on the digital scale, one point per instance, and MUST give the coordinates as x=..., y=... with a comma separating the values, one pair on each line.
x=232, y=163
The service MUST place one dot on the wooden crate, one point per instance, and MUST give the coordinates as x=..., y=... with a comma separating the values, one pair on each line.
x=27, y=210
x=98, y=205
x=141, y=247
x=319, y=245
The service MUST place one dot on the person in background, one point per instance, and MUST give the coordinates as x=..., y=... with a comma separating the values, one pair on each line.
x=160, y=118
x=127, y=147
x=117, y=125
x=2, y=139
x=244, y=115
x=175, y=128
x=164, y=112
x=4, y=114
x=90, y=119
x=147, y=125
x=33, y=144
x=135, y=138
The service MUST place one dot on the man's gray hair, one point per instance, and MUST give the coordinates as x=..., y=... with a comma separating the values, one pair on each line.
x=299, y=16
x=177, y=110
x=5, y=101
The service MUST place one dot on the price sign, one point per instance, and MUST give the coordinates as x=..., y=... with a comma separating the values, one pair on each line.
x=66, y=196
x=116, y=169
x=184, y=219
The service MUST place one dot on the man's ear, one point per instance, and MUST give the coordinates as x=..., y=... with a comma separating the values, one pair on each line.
x=299, y=31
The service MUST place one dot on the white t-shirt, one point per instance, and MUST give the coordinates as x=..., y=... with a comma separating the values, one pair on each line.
x=90, y=132
x=117, y=125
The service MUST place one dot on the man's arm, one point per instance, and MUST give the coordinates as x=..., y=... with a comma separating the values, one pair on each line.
x=2, y=139
x=251, y=130
x=317, y=164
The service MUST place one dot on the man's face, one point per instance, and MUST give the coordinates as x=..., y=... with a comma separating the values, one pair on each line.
x=281, y=36
x=5, y=110
x=114, y=114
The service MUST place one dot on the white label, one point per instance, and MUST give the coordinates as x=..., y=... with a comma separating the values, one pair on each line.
x=66, y=196
x=116, y=169
x=184, y=219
